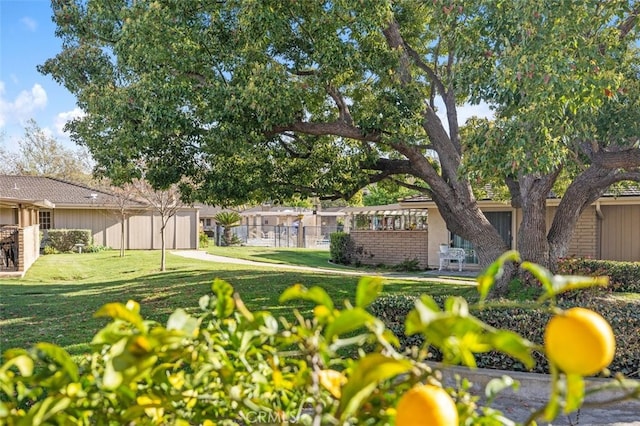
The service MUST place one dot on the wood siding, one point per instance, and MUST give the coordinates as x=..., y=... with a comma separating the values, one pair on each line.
x=620, y=233
x=142, y=232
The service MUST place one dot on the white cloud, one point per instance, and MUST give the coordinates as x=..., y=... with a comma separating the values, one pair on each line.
x=29, y=23
x=23, y=106
x=63, y=117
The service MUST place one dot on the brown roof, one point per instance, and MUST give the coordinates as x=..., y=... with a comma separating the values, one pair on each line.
x=626, y=191
x=60, y=192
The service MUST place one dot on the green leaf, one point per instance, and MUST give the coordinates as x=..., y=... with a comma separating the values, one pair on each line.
x=493, y=272
x=121, y=312
x=60, y=357
x=21, y=359
x=44, y=410
x=368, y=290
x=224, y=298
x=562, y=283
x=314, y=294
x=575, y=393
x=366, y=374
x=346, y=321
x=181, y=320
x=513, y=344
x=541, y=273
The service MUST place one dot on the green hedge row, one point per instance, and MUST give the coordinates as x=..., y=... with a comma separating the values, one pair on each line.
x=64, y=240
x=623, y=276
x=529, y=323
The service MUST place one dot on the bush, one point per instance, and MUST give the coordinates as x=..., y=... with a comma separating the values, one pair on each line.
x=64, y=240
x=407, y=265
x=95, y=248
x=623, y=276
x=229, y=366
x=203, y=239
x=50, y=250
x=341, y=248
x=527, y=322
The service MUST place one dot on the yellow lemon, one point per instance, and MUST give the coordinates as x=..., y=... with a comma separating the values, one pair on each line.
x=579, y=341
x=426, y=405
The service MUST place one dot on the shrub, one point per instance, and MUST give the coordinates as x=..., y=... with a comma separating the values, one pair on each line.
x=95, y=248
x=203, y=239
x=228, y=366
x=64, y=240
x=50, y=250
x=529, y=322
x=623, y=276
x=407, y=265
x=341, y=248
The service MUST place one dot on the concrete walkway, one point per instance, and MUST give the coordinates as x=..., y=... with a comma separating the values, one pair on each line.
x=517, y=406
x=418, y=276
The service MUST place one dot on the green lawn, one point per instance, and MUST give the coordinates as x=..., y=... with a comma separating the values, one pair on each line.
x=58, y=295
x=291, y=256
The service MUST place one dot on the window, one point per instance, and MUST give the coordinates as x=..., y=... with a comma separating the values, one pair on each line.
x=207, y=222
x=45, y=220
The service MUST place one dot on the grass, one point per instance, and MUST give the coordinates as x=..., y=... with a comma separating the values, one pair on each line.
x=56, y=299
x=290, y=256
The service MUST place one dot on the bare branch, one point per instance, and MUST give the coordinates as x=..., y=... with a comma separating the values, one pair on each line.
x=426, y=68
x=343, y=108
x=627, y=25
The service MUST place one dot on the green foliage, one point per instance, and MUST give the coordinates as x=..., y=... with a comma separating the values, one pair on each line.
x=623, y=276
x=228, y=219
x=386, y=193
x=203, y=239
x=228, y=365
x=50, y=250
x=64, y=240
x=341, y=248
x=94, y=248
x=407, y=265
x=42, y=155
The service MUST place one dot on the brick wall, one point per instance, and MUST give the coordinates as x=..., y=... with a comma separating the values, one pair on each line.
x=392, y=247
x=583, y=243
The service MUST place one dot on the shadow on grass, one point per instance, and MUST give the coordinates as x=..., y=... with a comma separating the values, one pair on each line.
x=62, y=312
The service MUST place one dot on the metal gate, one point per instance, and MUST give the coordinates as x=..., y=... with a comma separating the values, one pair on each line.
x=9, y=249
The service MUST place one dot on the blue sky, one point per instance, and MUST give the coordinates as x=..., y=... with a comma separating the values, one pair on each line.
x=26, y=40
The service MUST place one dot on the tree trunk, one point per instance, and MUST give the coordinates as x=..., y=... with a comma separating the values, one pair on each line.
x=532, y=234
x=465, y=219
x=163, y=254
x=122, y=238
x=585, y=189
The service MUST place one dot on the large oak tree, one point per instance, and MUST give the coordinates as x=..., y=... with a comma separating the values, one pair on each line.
x=265, y=99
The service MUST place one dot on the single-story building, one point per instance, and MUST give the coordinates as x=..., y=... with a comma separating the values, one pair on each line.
x=609, y=229
x=49, y=203
x=278, y=225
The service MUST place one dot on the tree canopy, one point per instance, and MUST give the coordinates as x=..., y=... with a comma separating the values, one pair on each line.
x=254, y=100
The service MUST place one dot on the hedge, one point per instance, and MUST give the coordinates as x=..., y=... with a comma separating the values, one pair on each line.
x=64, y=240
x=529, y=323
x=623, y=276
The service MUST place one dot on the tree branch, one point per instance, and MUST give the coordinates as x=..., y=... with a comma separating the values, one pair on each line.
x=336, y=128
x=627, y=25
x=426, y=68
x=616, y=159
x=343, y=108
